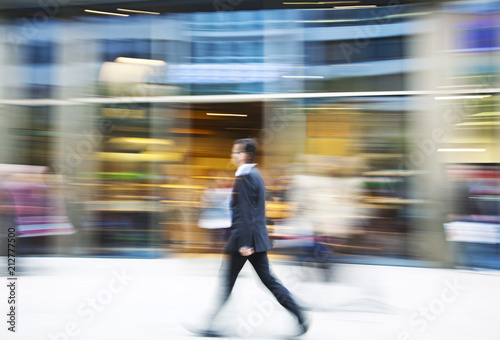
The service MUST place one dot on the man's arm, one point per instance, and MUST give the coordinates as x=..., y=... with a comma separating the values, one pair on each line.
x=247, y=220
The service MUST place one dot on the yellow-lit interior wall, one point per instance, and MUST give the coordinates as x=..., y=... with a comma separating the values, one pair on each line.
x=472, y=138
x=327, y=146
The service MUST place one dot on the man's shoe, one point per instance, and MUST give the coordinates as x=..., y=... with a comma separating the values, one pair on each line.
x=304, y=326
x=210, y=333
x=204, y=332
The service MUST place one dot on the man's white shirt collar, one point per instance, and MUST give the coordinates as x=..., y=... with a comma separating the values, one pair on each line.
x=244, y=169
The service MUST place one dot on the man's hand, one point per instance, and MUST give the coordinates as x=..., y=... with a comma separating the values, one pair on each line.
x=246, y=251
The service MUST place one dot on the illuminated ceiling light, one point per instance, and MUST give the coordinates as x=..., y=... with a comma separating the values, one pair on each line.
x=321, y=3
x=325, y=108
x=140, y=157
x=303, y=77
x=106, y=13
x=227, y=114
x=137, y=140
x=478, y=123
x=461, y=150
x=354, y=7
x=327, y=21
x=404, y=15
x=486, y=114
x=192, y=131
x=462, y=97
x=136, y=11
x=140, y=61
x=181, y=186
x=464, y=77
x=354, y=64
x=466, y=85
x=244, y=129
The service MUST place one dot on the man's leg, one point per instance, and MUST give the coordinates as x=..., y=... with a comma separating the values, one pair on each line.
x=229, y=276
x=261, y=264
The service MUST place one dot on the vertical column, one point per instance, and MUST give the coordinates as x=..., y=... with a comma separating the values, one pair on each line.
x=78, y=133
x=4, y=116
x=11, y=87
x=283, y=135
x=425, y=132
x=172, y=122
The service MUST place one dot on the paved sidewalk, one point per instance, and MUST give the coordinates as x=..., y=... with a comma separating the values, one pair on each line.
x=129, y=299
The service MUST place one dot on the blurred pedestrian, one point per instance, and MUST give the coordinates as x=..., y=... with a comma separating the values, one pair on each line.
x=249, y=238
x=215, y=215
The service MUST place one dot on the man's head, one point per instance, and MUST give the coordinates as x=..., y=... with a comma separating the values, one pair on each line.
x=243, y=151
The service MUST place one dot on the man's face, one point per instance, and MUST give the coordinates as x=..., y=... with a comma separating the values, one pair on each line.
x=238, y=156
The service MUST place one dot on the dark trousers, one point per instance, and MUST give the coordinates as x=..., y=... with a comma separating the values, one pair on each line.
x=260, y=263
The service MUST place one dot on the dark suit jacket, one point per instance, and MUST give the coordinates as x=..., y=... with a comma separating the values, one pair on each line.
x=248, y=208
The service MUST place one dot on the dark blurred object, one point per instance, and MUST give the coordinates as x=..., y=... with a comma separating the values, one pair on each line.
x=474, y=218
x=35, y=207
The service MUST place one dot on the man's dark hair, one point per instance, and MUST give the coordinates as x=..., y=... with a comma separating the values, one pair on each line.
x=248, y=147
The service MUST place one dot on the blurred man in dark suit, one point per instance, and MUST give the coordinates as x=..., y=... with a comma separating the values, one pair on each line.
x=249, y=238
